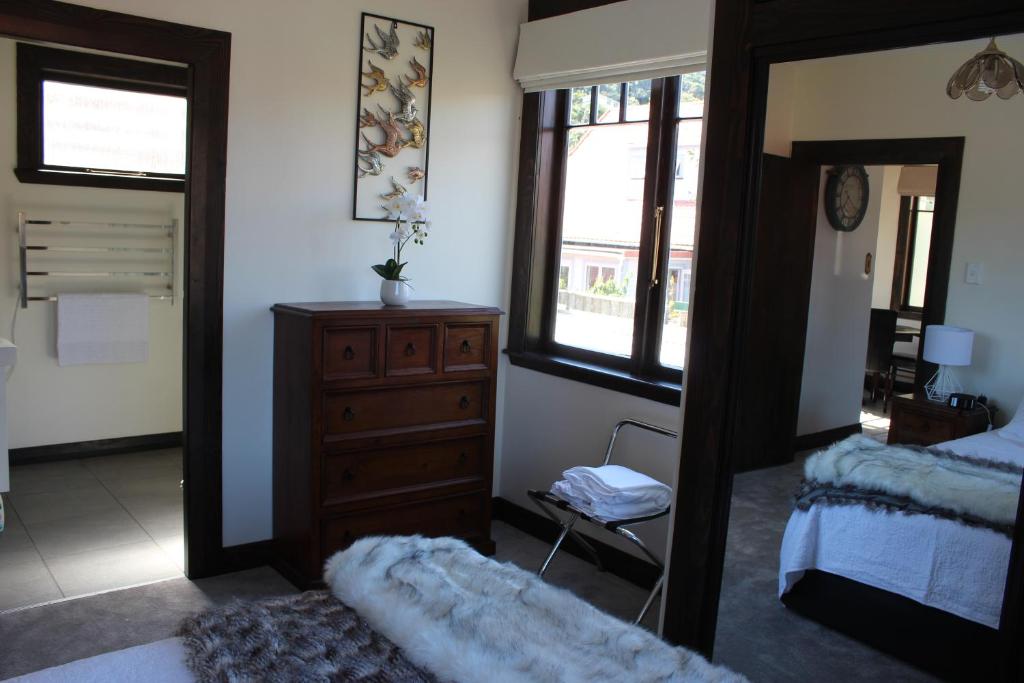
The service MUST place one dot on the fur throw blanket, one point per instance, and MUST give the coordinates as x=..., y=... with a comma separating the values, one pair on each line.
x=307, y=637
x=913, y=479
x=467, y=618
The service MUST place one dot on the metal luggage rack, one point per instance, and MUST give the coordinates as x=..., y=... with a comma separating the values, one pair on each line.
x=135, y=242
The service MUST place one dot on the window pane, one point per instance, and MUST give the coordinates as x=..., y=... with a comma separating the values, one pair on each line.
x=680, y=235
x=104, y=128
x=604, y=190
x=608, y=97
x=691, y=95
x=638, y=100
x=926, y=203
x=579, y=110
x=919, y=268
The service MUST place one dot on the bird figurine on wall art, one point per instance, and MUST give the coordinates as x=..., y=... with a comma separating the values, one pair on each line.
x=388, y=47
x=375, y=74
x=397, y=190
x=415, y=174
x=393, y=142
x=374, y=164
x=407, y=101
x=420, y=80
x=423, y=40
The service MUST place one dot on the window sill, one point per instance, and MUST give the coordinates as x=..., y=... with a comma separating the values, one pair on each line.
x=654, y=390
x=41, y=177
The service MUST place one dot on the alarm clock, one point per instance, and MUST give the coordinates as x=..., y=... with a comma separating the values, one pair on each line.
x=846, y=197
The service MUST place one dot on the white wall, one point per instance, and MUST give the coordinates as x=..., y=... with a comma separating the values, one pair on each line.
x=838, y=316
x=291, y=141
x=888, y=230
x=48, y=404
x=552, y=424
x=901, y=94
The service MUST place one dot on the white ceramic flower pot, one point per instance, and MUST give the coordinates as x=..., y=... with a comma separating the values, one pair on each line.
x=394, y=292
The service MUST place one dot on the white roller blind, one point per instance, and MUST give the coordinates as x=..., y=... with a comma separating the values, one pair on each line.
x=630, y=40
x=918, y=181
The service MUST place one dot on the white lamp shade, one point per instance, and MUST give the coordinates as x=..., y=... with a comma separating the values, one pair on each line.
x=948, y=345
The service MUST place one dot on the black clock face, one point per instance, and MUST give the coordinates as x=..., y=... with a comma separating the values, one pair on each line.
x=846, y=197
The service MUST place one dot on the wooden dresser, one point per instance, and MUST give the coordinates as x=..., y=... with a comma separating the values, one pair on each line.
x=383, y=424
x=916, y=420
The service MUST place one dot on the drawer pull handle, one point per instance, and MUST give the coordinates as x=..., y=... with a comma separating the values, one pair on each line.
x=349, y=354
x=347, y=475
x=464, y=402
x=462, y=458
x=466, y=347
x=348, y=415
x=410, y=349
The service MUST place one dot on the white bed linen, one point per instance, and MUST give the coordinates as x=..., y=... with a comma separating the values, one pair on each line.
x=159, y=662
x=937, y=562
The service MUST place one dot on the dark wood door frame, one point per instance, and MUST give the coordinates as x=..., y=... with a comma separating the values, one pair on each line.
x=207, y=54
x=948, y=155
x=748, y=37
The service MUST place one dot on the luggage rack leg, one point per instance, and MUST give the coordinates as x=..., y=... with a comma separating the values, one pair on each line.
x=567, y=530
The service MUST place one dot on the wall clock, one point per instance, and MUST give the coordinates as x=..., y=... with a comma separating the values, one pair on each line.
x=846, y=197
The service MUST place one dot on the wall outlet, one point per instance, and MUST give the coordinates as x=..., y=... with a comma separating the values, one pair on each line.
x=973, y=275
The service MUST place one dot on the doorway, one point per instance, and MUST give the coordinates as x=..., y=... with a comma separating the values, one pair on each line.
x=206, y=55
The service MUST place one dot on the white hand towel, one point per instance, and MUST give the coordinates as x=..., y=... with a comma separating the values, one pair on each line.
x=614, y=484
x=102, y=328
x=602, y=510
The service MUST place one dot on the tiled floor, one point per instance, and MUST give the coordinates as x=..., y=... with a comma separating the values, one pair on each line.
x=874, y=422
x=82, y=526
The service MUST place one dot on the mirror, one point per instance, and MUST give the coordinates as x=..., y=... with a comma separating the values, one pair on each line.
x=890, y=569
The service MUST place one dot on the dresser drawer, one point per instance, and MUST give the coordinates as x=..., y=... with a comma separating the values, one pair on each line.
x=364, y=474
x=459, y=516
x=411, y=350
x=349, y=352
x=351, y=413
x=466, y=346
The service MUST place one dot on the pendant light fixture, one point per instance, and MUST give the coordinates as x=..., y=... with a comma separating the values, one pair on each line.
x=989, y=71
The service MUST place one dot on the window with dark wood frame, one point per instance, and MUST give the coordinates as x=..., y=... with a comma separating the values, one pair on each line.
x=913, y=241
x=633, y=264
x=40, y=65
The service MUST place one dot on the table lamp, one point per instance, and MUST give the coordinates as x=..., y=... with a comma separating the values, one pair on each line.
x=948, y=347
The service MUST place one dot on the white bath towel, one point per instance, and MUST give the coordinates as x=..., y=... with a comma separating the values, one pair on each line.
x=613, y=492
x=102, y=328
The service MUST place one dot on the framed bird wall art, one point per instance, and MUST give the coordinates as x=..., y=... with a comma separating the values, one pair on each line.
x=396, y=60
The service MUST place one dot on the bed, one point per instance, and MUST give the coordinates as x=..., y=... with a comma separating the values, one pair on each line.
x=906, y=583
x=406, y=610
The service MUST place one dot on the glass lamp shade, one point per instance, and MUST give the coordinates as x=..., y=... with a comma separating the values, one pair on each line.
x=948, y=345
x=989, y=71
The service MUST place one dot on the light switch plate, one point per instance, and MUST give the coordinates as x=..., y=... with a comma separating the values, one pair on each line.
x=973, y=275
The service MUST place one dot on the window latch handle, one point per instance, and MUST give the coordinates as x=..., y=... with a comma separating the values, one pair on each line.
x=659, y=213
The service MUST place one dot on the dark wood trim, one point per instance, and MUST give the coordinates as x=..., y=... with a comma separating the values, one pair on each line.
x=544, y=9
x=80, y=178
x=948, y=155
x=36, y=64
x=824, y=438
x=207, y=54
x=903, y=242
x=597, y=375
x=236, y=558
x=941, y=643
x=748, y=37
x=620, y=563
x=89, y=449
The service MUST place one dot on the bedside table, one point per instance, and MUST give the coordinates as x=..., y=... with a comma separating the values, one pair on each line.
x=916, y=420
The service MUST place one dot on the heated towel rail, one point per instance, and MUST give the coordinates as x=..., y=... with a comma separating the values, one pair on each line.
x=85, y=255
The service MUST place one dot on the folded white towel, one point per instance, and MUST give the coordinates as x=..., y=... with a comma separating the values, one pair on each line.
x=613, y=492
x=603, y=510
x=102, y=328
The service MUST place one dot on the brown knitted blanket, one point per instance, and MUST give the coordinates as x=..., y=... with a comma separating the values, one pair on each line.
x=308, y=637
